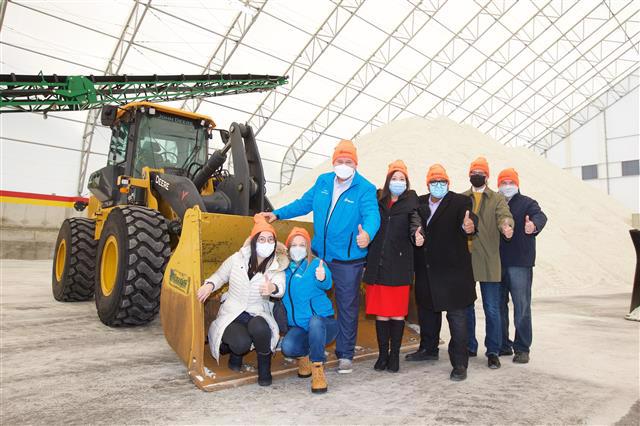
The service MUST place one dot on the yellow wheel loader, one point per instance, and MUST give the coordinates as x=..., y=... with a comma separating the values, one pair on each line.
x=158, y=167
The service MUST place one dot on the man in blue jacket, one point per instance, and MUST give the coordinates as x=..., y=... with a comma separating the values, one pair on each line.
x=345, y=220
x=518, y=258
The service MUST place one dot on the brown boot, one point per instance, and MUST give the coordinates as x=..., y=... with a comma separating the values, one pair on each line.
x=304, y=367
x=318, y=381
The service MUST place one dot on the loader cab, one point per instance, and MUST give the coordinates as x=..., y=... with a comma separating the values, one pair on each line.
x=173, y=144
x=158, y=137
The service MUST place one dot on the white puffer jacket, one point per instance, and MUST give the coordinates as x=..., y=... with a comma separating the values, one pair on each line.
x=242, y=293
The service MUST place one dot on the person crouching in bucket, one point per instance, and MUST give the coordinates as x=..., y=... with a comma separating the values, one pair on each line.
x=310, y=315
x=245, y=319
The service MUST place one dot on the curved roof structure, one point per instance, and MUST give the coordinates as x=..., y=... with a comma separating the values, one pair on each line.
x=527, y=72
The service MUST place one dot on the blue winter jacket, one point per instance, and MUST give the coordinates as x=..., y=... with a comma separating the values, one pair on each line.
x=335, y=238
x=305, y=295
x=521, y=249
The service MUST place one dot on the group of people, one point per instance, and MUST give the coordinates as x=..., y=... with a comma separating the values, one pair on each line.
x=391, y=238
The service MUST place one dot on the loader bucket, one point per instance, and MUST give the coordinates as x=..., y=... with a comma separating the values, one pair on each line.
x=207, y=239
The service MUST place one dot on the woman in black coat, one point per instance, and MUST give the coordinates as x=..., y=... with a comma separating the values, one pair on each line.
x=389, y=271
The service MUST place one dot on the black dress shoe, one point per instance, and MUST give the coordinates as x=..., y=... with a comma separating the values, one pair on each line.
x=521, y=357
x=506, y=352
x=473, y=354
x=458, y=374
x=493, y=362
x=422, y=355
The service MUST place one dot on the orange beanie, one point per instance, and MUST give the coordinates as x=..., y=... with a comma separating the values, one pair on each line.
x=509, y=174
x=398, y=166
x=436, y=172
x=480, y=163
x=261, y=225
x=299, y=231
x=345, y=148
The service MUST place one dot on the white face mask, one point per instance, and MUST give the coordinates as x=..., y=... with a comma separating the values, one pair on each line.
x=264, y=250
x=508, y=190
x=298, y=253
x=343, y=171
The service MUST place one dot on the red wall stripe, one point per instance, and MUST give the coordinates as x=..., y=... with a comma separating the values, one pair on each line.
x=32, y=195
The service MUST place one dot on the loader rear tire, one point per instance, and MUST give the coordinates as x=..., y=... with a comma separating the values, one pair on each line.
x=133, y=252
x=74, y=261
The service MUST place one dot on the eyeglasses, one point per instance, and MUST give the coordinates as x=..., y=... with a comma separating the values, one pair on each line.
x=269, y=240
x=438, y=182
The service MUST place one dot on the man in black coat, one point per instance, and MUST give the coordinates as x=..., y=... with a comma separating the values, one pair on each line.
x=443, y=271
x=518, y=258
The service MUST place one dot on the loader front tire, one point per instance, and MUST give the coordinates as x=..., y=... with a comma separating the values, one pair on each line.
x=74, y=258
x=133, y=252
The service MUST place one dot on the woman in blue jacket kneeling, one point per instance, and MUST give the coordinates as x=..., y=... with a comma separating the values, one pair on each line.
x=310, y=315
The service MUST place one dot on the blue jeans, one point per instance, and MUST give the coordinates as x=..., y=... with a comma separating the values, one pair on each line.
x=517, y=280
x=346, y=282
x=298, y=342
x=491, y=301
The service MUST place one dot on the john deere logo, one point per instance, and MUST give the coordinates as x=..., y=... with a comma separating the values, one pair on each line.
x=179, y=280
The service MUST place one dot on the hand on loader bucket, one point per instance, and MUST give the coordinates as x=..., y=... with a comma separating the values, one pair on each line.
x=269, y=216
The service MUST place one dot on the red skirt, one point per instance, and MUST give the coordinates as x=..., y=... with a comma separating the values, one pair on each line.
x=387, y=301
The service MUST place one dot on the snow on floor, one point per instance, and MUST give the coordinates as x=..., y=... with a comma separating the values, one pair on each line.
x=60, y=365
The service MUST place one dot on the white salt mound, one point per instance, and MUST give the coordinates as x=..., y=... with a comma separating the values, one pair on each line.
x=585, y=247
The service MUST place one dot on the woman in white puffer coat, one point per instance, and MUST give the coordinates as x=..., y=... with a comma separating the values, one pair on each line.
x=245, y=319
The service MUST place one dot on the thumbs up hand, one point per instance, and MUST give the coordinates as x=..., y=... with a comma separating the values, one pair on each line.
x=363, y=238
x=507, y=230
x=467, y=224
x=320, y=272
x=529, y=226
x=267, y=287
x=419, y=237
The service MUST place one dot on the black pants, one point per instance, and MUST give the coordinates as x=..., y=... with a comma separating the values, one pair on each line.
x=245, y=330
x=430, y=325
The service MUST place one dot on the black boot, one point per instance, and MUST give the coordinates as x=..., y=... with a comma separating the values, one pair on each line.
x=397, y=329
x=264, y=369
x=235, y=362
x=382, y=333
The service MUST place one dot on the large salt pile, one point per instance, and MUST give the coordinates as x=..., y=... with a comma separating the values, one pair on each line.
x=584, y=249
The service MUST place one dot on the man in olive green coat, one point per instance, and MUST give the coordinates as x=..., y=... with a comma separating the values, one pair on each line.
x=494, y=222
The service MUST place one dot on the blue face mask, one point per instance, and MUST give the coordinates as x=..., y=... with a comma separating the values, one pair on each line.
x=439, y=189
x=397, y=187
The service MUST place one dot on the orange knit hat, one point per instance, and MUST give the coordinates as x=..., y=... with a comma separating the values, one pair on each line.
x=509, y=174
x=345, y=148
x=398, y=166
x=298, y=231
x=436, y=172
x=261, y=225
x=480, y=163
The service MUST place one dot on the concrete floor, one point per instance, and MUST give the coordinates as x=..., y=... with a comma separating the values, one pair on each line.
x=59, y=364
